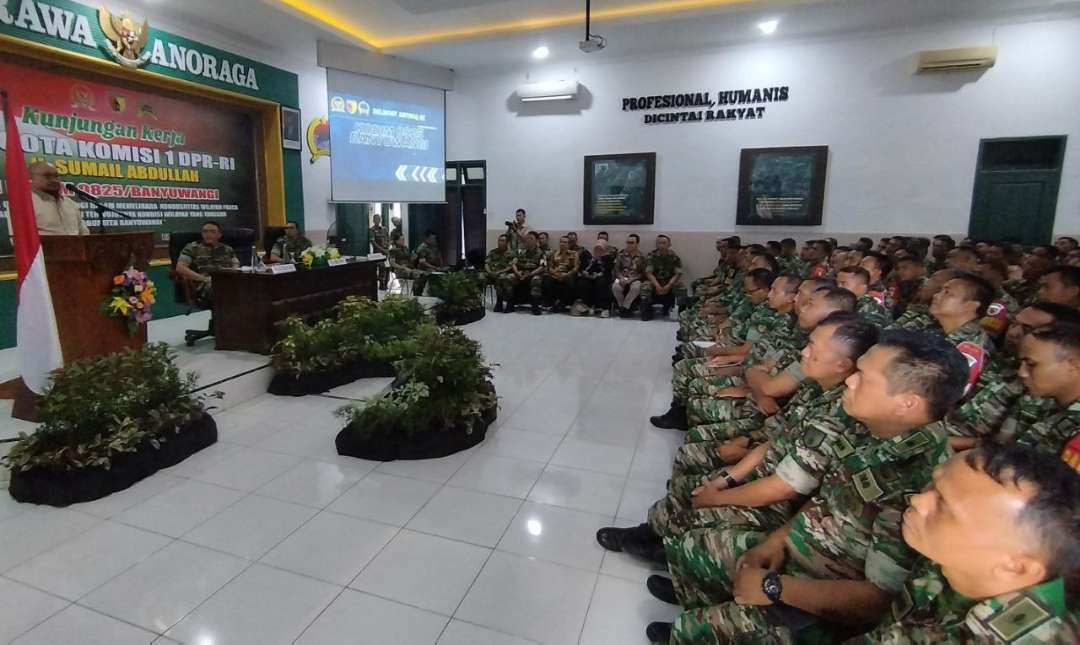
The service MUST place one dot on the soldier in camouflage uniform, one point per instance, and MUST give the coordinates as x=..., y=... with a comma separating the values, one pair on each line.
x=802, y=441
x=1025, y=289
x=426, y=258
x=380, y=243
x=528, y=269
x=497, y=268
x=857, y=281
x=289, y=247
x=878, y=266
x=850, y=530
x=628, y=273
x=721, y=276
x=663, y=276
x=401, y=262
x=198, y=259
x=560, y=281
x=1048, y=415
x=959, y=593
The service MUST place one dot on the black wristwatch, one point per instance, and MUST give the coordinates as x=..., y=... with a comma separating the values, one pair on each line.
x=771, y=587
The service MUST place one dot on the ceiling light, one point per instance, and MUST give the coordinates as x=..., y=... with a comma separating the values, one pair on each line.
x=541, y=52
x=768, y=27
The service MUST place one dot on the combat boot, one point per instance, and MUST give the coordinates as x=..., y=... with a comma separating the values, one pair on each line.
x=673, y=419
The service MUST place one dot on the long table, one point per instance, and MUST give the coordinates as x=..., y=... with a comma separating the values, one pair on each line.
x=249, y=307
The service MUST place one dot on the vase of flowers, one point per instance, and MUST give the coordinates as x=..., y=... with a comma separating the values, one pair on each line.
x=131, y=298
x=319, y=256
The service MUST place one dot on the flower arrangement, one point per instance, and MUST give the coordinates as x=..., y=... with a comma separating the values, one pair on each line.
x=131, y=298
x=319, y=256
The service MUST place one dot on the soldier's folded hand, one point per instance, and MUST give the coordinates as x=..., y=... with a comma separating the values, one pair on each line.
x=770, y=554
x=748, y=589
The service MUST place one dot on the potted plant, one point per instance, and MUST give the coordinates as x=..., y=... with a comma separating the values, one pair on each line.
x=442, y=402
x=462, y=298
x=361, y=340
x=106, y=423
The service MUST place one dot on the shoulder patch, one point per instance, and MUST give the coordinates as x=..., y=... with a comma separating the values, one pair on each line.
x=1018, y=619
x=866, y=485
x=975, y=357
x=842, y=447
x=915, y=443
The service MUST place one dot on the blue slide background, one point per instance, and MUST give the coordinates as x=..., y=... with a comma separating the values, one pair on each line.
x=368, y=150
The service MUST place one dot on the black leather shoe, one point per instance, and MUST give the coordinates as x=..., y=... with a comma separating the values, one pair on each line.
x=615, y=538
x=647, y=313
x=673, y=419
x=645, y=545
x=498, y=307
x=659, y=633
x=662, y=588
x=536, y=310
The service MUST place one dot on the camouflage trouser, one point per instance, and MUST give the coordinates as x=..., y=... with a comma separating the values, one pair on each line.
x=420, y=281
x=204, y=295
x=508, y=286
x=677, y=293
x=669, y=515
x=698, y=458
x=743, y=419
x=727, y=623
x=674, y=515
x=504, y=286
x=702, y=562
x=693, y=378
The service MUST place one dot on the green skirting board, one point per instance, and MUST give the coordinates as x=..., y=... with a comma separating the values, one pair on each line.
x=165, y=307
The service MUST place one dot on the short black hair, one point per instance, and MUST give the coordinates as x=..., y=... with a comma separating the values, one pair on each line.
x=569, y=233
x=979, y=289
x=637, y=238
x=859, y=273
x=1071, y=240
x=791, y=282
x=761, y=278
x=1051, y=513
x=520, y=210
x=1061, y=313
x=544, y=233
x=1065, y=335
x=532, y=234
x=756, y=248
x=823, y=245
x=663, y=236
x=429, y=233
x=774, y=246
x=928, y=366
x=838, y=297
x=734, y=240
x=504, y=236
x=946, y=240
x=564, y=237
x=884, y=263
x=854, y=333
x=1069, y=275
x=788, y=243
x=604, y=233
x=212, y=223
x=866, y=243
x=1050, y=249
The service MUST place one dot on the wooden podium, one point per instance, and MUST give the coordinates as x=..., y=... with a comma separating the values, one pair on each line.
x=80, y=269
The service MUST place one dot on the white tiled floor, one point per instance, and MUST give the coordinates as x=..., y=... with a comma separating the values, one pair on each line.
x=270, y=537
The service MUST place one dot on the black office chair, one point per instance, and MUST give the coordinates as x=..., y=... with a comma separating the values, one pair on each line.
x=271, y=234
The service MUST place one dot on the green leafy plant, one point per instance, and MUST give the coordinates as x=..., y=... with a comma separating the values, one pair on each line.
x=98, y=407
x=360, y=330
x=445, y=385
x=460, y=293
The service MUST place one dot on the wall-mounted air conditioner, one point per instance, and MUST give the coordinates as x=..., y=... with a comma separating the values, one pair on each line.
x=548, y=91
x=954, y=60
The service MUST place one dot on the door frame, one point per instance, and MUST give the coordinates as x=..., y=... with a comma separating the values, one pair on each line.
x=1058, y=167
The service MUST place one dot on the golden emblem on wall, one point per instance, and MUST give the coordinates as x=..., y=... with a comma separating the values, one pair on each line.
x=126, y=38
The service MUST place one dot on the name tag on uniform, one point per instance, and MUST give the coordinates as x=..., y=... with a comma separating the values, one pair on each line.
x=336, y=262
x=282, y=268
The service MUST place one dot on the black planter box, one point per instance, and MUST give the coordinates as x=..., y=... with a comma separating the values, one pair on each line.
x=289, y=385
x=463, y=318
x=421, y=445
x=65, y=487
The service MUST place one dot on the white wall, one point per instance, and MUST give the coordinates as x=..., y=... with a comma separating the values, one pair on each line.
x=903, y=148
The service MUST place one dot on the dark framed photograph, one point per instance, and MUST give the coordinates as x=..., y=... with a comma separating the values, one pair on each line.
x=782, y=186
x=620, y=189
x=291, y=131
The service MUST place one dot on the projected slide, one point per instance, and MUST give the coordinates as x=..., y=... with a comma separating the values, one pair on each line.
x=387, y=140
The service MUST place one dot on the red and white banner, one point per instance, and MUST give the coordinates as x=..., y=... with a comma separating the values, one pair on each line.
x=37, y=336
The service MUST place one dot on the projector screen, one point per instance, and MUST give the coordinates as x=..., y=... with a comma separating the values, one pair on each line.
x=387, y=140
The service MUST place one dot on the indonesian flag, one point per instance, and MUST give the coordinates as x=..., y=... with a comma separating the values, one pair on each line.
x=38, y=340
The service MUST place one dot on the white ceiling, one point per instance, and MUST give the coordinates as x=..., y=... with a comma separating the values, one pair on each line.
x=269, y=24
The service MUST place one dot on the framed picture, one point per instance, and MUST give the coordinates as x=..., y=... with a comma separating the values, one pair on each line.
x=782, y=186
x=620, y=189
x=292, y=137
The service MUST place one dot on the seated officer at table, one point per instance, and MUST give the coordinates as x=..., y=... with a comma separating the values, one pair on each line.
x=427, y=258
x=56, y=214
x=289, y=247
x=1000, y=532
x=198, y=259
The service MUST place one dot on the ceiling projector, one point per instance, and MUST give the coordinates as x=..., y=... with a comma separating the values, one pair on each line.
x=592, y=44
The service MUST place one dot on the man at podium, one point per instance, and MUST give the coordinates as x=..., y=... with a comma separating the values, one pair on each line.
x=198, y=259
x=56, y=214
